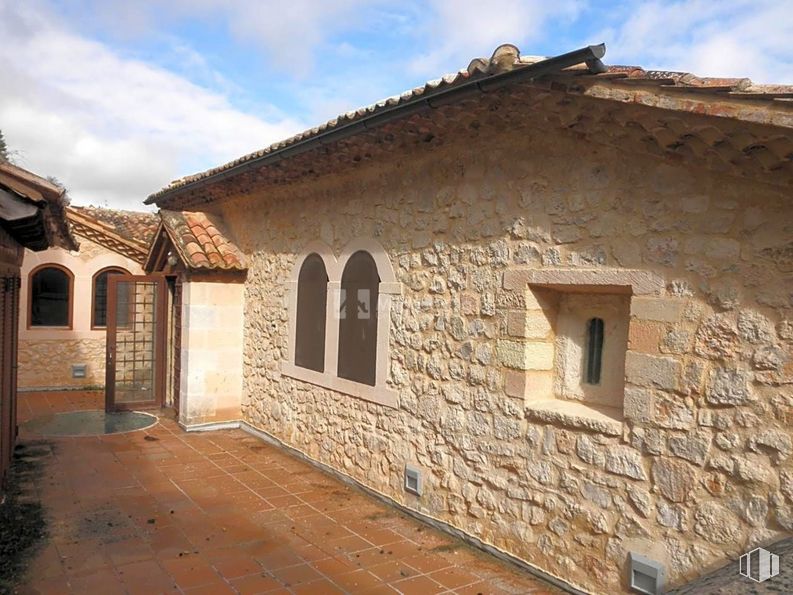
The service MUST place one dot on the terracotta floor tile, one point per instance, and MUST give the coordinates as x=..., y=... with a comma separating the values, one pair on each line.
x=100, y=581
x=453, y=578
x=418, y=585
x=224, y=511
x=129, y=550
x=296, y=575
x=218, y=588
x=428, y=563
x=378, y=590
x=333, y=567
x=322, y=586
x=146, y=577
x=51, y=586
x=356, y=581
x=393, y=571
x=280, y=558
x=190, y=571
x=235, y=564
x=256, y=583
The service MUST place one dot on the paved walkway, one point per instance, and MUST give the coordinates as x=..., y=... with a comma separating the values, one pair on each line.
x=728, y=581
x=161, y=510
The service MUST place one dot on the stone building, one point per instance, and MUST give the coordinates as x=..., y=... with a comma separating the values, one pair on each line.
x=31, y=218
x=545, y=302
x=64, y=297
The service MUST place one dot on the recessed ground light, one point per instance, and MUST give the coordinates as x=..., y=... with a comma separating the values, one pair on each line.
x=645, y=575
x=78, y=370
x=413, y=483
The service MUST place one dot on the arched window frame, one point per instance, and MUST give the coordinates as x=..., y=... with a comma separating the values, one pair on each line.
x=120, y=270
x=70, y=306
x=389, y=288
x=307, y=301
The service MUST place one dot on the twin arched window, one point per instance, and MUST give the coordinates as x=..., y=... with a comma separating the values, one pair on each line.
x=51, y=288
x=358, y=316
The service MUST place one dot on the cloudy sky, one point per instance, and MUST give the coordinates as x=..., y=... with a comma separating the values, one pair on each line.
x=115, y=98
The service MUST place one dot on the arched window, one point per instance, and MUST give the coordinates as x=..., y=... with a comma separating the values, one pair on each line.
x=594, y=350
x=312, y=299
x=358, y=319
x=99, y=308
x=51, y=296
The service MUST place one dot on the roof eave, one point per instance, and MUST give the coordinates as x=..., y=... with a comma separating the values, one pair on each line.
x=590, y=55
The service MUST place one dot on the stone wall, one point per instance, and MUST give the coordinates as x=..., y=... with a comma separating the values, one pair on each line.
x=696, y=466
x=48, y=363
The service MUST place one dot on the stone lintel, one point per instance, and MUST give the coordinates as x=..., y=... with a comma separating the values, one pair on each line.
x=636, y=282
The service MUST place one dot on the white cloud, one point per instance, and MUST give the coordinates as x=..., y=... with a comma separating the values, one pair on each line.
x=730, y=38
x=288, y=33
x=459, y=30
x=112, y=129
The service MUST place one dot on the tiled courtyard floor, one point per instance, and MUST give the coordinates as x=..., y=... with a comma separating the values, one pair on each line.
x=161, y=510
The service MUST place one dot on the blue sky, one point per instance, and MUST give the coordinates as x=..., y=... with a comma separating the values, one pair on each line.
x=116, y=98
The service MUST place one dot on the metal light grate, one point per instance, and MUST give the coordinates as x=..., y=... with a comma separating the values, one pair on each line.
x=645, y=575
x=413, y=482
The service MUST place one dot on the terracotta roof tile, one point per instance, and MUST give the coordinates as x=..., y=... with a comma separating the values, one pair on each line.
x=133, y=225
x=199, y=239
x=505, y=58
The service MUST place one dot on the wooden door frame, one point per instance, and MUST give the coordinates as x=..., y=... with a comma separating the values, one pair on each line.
x=159, y=342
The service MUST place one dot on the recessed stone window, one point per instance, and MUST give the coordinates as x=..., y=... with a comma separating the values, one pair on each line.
x=590, y=346
x=567, y=348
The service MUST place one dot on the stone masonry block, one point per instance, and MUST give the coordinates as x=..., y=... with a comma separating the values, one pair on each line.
x=661, y=310
x=645, y=337
x=638, y=404
x=531, y=324
x=640, y=282
x=532, y=385
x=652, y=372
x=525, y=356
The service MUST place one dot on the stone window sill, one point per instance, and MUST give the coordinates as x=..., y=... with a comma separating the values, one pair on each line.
x=574, y=414
x=381, y=395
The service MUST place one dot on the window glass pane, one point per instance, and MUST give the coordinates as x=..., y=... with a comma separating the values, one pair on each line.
x=312, y=296
x=358, y=319
x=100, y=296
x=49, y=298
x=594, y=350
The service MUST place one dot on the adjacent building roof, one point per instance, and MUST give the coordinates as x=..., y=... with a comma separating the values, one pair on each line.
x=200, y=240
x=32, y=209
x=134, y=225
x=736, y=100
x=128, y=233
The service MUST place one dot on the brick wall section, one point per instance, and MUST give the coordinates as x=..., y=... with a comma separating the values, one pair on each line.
x=700, y=468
